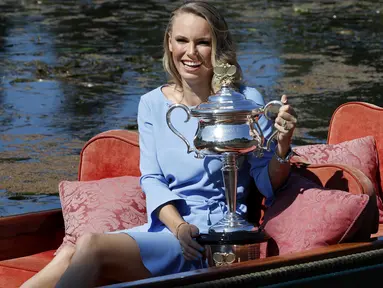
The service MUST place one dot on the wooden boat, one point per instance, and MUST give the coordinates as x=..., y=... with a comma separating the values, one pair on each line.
x=28, y=241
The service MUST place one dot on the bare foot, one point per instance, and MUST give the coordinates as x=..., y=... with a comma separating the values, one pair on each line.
x=50, y=274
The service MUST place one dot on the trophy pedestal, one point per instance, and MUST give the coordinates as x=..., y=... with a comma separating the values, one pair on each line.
x=232, y=239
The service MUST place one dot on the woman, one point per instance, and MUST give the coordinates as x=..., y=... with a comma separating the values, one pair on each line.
x=184, y=195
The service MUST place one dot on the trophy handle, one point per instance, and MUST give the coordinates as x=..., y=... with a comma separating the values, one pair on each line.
x=271, y=111
x=255, y=130
x=175, y=131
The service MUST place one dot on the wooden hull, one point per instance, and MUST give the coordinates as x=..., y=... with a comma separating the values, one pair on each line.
x=27, y=243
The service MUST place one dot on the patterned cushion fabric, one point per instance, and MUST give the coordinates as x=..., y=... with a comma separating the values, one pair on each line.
x=359, y=153
x=101, y=205
x=305, y=216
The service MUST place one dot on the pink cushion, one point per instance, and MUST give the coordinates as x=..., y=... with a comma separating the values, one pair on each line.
x=306, y=216
x=101, y=205
x=359, y=153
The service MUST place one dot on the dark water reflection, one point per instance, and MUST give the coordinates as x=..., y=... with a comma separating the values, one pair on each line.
x=79, y=67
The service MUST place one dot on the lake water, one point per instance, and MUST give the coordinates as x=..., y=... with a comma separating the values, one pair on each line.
x=72, y=69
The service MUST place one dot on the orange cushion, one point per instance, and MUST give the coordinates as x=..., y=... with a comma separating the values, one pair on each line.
x=14, y=272
x=99, y=206
x=358, y=119
x=33, y=263
x=112, y=153
x=13, y=278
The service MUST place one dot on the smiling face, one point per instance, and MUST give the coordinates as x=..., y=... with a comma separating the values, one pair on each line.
x=190, y=42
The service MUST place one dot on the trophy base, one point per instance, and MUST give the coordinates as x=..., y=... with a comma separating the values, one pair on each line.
x=224, y=249
x=225, y=255
x=232, y=240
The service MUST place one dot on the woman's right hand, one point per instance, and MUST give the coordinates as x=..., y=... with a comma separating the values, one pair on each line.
x=190, y=247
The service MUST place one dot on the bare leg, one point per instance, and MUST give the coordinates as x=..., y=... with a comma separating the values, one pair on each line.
x=51, y=273
x=116, y=255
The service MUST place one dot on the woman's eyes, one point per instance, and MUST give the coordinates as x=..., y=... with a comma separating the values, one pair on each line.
x=205, y=43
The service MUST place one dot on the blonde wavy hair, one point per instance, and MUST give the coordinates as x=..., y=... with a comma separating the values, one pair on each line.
x=223, y=48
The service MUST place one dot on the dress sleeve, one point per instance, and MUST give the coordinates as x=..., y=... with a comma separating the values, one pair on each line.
x=259, y=167
x=152, y=180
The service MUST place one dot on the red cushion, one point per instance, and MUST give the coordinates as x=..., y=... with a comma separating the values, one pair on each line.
x=101, y=205
x=358, y=119
x=33, y=263
x=305, y=216
x=14, y=272
x=13, y=278
x=112, y=153
x=359, y=153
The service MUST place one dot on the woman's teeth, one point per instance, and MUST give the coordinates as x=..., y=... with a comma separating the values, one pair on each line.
x=192, y=64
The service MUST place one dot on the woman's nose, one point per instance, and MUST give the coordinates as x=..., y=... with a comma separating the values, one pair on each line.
x=192, y=49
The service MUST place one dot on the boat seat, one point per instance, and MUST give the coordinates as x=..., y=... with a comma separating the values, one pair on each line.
x=33, y=263
x=13, y=278
x=14, y=272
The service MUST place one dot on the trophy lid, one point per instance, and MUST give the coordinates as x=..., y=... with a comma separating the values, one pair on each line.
x=226, y=100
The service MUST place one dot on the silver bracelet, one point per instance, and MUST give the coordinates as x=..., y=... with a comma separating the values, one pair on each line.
x=287, y=158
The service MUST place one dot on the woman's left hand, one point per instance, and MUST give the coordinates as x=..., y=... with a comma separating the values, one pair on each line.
x=190, y=248
x=285, y=122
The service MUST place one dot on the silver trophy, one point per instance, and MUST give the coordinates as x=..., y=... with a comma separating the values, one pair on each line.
x=228, y=128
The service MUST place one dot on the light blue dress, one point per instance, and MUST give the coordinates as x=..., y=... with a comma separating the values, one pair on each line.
x=195, y=186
